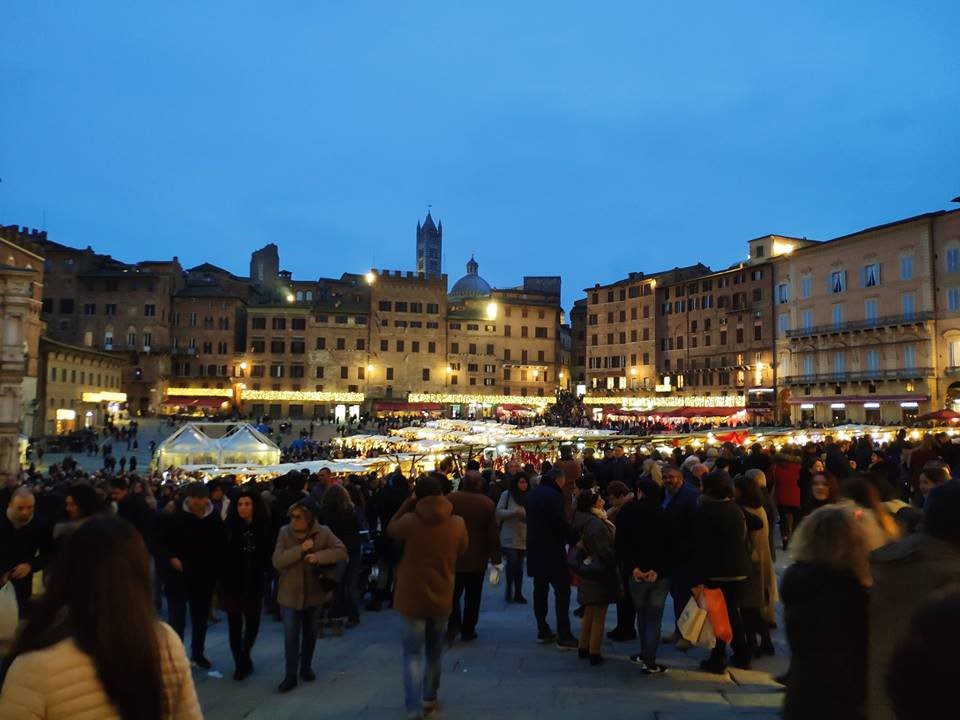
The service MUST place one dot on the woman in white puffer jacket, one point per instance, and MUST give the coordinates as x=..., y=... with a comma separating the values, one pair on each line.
x=93, y=648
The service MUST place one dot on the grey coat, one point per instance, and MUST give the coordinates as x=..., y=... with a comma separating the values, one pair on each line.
x=906, y=574
x=597, y=537
x=513, y=522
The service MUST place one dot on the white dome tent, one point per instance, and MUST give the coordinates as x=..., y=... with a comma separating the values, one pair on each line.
x=247, y=446
x=187, y=446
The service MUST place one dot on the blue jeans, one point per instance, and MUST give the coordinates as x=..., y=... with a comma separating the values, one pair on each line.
x=299, y=638
x=649, y=599
x=421, y=682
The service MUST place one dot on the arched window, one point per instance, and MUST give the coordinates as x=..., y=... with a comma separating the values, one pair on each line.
x=309, y=295
x=108, y=340
x=299, y=296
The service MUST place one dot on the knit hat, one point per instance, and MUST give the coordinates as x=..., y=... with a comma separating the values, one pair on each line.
x=941, y=512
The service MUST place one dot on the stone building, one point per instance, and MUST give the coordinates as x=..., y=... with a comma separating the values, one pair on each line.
x=866, y=322
x=79, y=387
x=20, y=255
x=97, y=302
x=578, y=347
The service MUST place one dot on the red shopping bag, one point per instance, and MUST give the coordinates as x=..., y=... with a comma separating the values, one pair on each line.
x=711, y=600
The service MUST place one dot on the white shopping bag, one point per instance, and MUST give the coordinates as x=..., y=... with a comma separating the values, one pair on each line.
x=9, y=613
x=691, y=621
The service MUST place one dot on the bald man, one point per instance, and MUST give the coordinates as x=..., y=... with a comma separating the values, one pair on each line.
x=25, y=545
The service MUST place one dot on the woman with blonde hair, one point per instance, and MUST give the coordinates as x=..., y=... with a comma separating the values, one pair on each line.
x=824, y=597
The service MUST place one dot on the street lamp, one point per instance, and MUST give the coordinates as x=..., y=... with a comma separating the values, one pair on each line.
x=491, y=310
x=290, y=297
x=370, y=277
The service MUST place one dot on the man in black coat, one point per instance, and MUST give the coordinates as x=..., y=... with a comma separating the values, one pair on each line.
x=680, y=505
x=26, y=544
x=134, y=509
x=191, y=550
x=548, y=534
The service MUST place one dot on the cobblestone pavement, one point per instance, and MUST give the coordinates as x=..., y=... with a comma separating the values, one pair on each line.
x=504, y=674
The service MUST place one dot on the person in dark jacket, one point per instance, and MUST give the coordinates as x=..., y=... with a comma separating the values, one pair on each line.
x=191, y=553
x=479, y=515
x=680, y=502
x=133, y=508
x=386, y=502
x=548, y=534
x=26, y=545
x=338, y=513
x=723, y=563
x=599, y=579
x=249, y=545
x=643, y=549
x=825, y=598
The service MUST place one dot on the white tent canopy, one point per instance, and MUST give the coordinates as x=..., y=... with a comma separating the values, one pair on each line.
x=190, y=446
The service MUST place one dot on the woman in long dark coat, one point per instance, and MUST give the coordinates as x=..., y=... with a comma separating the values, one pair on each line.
x=245, y=564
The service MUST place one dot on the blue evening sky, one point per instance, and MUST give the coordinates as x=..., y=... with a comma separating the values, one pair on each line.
x=584, y=139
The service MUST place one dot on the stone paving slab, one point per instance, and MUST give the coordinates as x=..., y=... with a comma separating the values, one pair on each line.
x=505, y=674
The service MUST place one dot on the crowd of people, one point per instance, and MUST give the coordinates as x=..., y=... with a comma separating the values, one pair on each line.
x=872, y=530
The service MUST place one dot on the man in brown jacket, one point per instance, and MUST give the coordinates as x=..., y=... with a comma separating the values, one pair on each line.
x=433, y=540
x=480, y=515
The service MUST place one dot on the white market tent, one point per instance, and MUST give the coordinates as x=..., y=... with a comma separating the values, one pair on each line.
x=247, y=445
x=189, y=447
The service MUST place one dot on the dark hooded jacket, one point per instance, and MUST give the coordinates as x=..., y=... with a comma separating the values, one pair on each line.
x=825, y=612
x=548, y=532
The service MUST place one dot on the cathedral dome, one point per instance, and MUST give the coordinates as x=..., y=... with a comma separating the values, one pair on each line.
x=471, y=284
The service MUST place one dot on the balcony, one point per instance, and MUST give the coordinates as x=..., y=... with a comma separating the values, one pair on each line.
x=853, y=325
x=915, y=373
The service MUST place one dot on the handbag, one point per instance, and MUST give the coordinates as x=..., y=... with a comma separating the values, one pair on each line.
x=331, y=576
x=584, y=565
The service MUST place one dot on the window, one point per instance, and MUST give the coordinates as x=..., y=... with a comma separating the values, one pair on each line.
x=298, y=346
x=909, y=357
x=278, y=347
x=278, y=323
x=783, y=293
x=276, y=370
x=385, y=305
x=953, y=298
x=838, y=363
x=953, y=259
x=150, y=310
x=361, y=344
x=906, y=267
x=400, y=345
x=296, y=371
x=257, y=371
x=806, y=286
x=906, y=305
x=808, y=364
x=425, y=375
x=739, y=335
x=321, y=343
x=318, y=372
x=872, y=360
x=472, y=349
x=837, y=315
x=523, y=331
x=131, y=339
x=256, y=323
x=298, y=324
x=838, y=281
x=415, y=346
x=389, y=373
x=757, y=295
x=807, y=320
x=783, y=323
x=870, y=309
x=758, y=332
x=66, y=306
x=400, y=306
x=257, y=345
x=361, y=373
x=870, y=275
x=433, y=308
x=344, y=372
x=90, y=309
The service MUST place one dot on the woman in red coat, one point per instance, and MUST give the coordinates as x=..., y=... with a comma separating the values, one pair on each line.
x=786, y=481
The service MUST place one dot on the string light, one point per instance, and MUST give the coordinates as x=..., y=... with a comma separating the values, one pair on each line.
x=648, y=403
x=479, y=399
x=200, y=392
x=103, y=396
x=303, y=396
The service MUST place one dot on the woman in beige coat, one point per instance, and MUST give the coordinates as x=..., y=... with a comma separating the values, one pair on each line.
x=302, y=546
x=759, y=592
x=94, y=649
